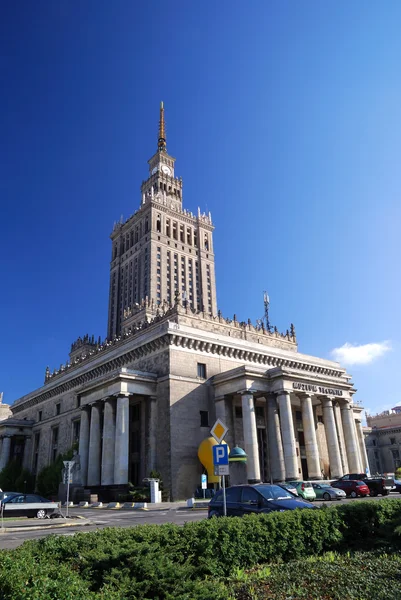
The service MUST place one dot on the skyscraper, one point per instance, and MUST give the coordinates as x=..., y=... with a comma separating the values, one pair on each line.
x=162, y=250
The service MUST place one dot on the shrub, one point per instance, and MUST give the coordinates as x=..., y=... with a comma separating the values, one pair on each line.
x=14, y=478
x=49, y=477
x=162, y=562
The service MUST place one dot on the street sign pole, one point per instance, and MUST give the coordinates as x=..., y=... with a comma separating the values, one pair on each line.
x=68, y=490
x=224, y=496
x=68, y=464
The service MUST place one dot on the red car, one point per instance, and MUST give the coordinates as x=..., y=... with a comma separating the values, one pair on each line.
x=352, y=488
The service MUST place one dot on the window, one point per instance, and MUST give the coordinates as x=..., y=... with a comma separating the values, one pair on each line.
x=298, y=415
x=40, y=415
x=319, y=419
x=58, y=408
x=54, y=444
x=250, y=496
x=204, y=418
x=76, y=425
x=36, y=442
x=392, y=441
x=373, y=442
x=259, y=411
x=238, y=412
x=202, y=370
x=233, y=494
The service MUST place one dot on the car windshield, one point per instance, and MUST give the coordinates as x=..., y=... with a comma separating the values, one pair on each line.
x=4, y=495
x=324, y=485
x=274, y=492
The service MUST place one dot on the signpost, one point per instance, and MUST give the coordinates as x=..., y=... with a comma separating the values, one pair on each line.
x=204, y=484
x=68, y=465
x=220, y=457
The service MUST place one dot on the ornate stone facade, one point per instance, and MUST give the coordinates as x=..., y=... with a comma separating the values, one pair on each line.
x=383, y=440
x=146, y=396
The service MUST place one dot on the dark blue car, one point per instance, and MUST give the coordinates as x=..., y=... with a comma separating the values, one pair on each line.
x=260, y=498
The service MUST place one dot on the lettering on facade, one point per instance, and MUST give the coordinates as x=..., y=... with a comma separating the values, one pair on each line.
x=317, y=389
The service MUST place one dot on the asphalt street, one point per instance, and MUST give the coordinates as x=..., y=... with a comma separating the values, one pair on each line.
x=100, y=518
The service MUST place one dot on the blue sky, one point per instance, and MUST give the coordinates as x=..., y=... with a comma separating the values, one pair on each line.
x=285, y=119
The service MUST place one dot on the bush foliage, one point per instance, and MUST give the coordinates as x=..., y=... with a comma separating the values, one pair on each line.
x=331, y=576
x=193, y=562
x=13, y=478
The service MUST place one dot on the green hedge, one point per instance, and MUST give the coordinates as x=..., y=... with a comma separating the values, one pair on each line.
x=363, y=575
x=161, y=562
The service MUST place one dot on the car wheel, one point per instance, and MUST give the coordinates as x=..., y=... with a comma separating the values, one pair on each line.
x=353, y=494
x=326, y=496
x=41, y=513
x=385, y=493
x=213, y=514
x=373, y=493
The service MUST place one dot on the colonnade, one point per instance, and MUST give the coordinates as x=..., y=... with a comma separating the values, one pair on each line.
x=344, y=437
x=104, y=449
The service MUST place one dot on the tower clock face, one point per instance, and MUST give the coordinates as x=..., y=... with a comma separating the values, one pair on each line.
x=166, y=170
x=155, y=170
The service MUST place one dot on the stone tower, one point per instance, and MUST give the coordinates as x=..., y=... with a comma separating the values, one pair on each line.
x=162, y=251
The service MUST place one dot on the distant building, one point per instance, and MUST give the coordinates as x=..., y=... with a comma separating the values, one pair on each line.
x=383, y=440
x=144, y=398
x=5, y=410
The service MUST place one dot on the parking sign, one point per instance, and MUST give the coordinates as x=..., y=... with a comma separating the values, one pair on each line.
x=220, y=455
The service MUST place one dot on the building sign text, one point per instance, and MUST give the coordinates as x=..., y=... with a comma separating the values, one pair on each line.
x=316, y=389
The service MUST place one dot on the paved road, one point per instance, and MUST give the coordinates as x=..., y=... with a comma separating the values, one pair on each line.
x=100, y=518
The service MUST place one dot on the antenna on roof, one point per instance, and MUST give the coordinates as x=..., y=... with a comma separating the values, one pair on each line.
x=266, y=302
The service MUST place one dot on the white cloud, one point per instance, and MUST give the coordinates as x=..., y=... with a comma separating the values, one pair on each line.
x=362, y=354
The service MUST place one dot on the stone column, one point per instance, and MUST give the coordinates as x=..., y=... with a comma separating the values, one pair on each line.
x=84, y=444
x=288, y=437
x=362, y=446
x=311, y=447
x=152, y=432
x=27, y=458
x=275, y=444
x=340, y=435
x=122, y=441
x=331, y=438
x=109, y=442
x=94, y=456
x=5, y=452
x=250, y=437
x=351, y=441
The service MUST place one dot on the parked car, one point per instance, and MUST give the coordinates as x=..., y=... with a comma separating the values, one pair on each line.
x=352, y=488
x=324, y=491
x=305, y=490
x=289, y=487
x=260, y=498
x=27, y=505
x=397, y=486
x=377, y=485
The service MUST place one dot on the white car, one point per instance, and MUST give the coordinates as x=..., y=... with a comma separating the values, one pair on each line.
x=14, y=504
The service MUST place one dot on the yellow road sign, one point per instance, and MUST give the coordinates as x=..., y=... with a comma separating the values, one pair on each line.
x=219, y=431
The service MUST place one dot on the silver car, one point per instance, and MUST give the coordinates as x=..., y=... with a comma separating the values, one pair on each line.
x=289, y=487
x=324, y=491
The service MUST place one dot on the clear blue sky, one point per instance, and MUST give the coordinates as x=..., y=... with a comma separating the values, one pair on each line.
x=285, y=118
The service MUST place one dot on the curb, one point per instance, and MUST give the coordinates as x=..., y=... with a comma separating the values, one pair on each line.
x=44, y=528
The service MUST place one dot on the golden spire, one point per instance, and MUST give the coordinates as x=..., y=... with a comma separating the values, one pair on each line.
x=161, y=142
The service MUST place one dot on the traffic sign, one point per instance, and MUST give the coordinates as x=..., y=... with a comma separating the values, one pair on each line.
x=220, y=454
x=204, y=482
x=219, y=431
x=220, y=470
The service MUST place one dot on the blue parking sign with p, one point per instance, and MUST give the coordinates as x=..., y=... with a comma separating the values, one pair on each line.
x=220, y=454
